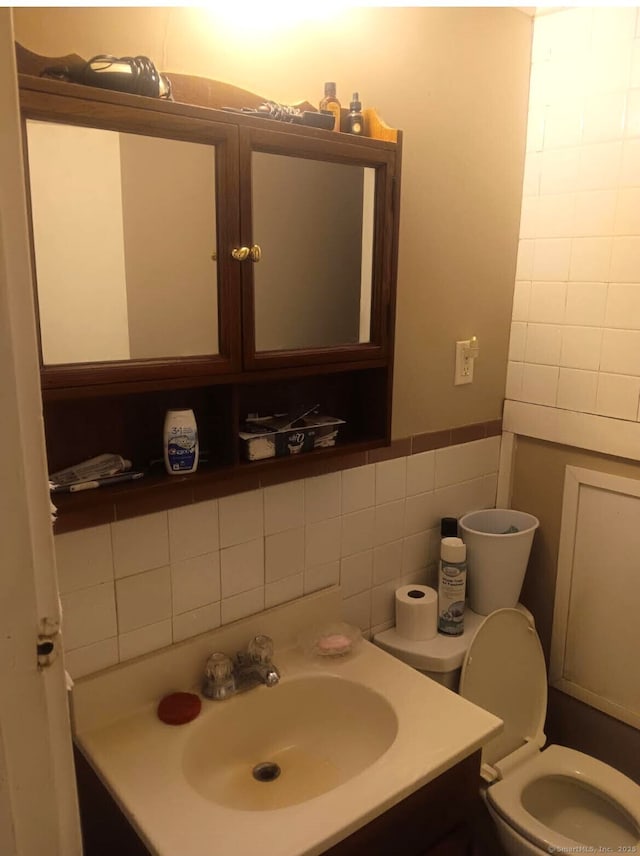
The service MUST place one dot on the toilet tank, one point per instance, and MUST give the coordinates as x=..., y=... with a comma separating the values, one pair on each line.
x=439, y=658
x=450, y=679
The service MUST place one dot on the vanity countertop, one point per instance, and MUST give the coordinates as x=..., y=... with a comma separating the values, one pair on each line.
x=142, y=760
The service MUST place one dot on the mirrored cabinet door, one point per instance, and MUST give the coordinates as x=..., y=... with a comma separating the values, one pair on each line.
x=124, y=233
x=131, y=234
x=317, y=292
x=314, y=282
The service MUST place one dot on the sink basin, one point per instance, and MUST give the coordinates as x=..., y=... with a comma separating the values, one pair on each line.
x=352, y=736
x=276, y=747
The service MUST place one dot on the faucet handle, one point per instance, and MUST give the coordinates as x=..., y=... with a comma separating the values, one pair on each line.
x=219, y=681
x=219, y=667
x=260, y=649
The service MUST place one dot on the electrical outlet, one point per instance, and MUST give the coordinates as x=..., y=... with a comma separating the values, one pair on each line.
x=466, y=352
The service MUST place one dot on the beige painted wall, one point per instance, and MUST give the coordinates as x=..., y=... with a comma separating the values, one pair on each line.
x=538, y=487
x=455, y=80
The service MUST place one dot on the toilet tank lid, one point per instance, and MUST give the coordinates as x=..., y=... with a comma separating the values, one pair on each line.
x=504, y=672
x=440, y=654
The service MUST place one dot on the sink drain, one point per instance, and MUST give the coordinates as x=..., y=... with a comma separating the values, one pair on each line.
x=266, y=772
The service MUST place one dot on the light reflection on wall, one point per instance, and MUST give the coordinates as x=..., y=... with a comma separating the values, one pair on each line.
x=255, y=18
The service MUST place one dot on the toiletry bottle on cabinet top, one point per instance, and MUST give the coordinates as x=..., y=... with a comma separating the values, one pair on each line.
x=181, y=450
x=331, y=104
x=355, y=119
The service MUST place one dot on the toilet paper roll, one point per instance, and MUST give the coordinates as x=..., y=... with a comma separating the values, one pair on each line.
x=416, y=612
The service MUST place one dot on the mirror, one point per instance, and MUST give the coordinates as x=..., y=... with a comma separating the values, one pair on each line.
x=313, y=221
x=124, y=231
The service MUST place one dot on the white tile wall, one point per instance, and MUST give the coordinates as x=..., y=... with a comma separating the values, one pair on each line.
x=388, y=522
x=322, y=497
x=144, y=583
x=575, y=340
x=284, y=554
x=417, y=510
x=322, y=542
x=581, y=348
x=283, y=507
x=421, y=472
x=356, y=573
x=196, y=621
x=140, y=544
x=195, y=582
x=288, y=588
x=241, y=518
x=143, y=599
x=357, y=532
x=358, y=488
x=577, y=390
x=242, y=567
x=623, y=305
x=193, y=533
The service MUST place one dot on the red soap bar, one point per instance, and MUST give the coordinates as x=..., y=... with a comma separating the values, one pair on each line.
x=179, y=708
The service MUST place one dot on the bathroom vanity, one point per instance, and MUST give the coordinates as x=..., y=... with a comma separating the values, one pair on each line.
x=375, y=757
x=440, y=819
x=187, y=255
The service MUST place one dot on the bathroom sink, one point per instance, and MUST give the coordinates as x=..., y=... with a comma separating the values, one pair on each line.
x=276, y=747
x=352, y=736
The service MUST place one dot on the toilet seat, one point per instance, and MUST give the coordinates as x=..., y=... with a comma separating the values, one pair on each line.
x=506, y=796
x=504, y=672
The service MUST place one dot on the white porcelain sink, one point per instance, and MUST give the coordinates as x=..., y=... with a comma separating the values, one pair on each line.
x=352, y=736
x=276, y=747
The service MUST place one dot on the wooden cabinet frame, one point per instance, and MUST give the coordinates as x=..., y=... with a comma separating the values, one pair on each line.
x=94, y=407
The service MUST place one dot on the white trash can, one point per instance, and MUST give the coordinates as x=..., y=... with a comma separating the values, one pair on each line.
x=498, y=546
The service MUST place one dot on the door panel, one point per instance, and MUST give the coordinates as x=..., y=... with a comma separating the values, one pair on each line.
x=36, y=765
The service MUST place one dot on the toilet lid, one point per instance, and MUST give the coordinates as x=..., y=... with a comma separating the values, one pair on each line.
x=504, y=672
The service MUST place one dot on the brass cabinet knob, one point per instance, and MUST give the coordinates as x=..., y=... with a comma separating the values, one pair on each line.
x=240, y=254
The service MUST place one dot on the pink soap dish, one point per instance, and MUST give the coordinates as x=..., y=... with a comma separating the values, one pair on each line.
x=333, y=640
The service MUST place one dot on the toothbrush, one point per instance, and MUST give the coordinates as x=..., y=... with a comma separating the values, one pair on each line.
x=93, y=483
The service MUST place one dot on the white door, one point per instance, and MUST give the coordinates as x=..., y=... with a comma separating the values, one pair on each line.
x=38, y=806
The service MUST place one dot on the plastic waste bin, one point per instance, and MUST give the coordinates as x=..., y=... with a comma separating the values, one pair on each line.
x=498, y=547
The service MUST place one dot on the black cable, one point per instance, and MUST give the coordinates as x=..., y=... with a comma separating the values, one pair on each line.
x=142, y=79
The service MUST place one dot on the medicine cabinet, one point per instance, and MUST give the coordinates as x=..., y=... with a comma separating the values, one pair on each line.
x=187, y=255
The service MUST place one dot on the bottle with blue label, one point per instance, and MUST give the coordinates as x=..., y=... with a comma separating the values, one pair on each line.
x=181, y=450
x=451, y=586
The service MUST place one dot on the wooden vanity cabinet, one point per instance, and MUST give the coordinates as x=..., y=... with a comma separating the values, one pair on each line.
x=440, y=819
x=297, y=284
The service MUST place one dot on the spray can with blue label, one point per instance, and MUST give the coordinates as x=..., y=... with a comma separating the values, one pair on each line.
x=452, y=582
x=181, y=450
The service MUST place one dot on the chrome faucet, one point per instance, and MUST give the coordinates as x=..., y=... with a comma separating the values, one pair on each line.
x=224, y=677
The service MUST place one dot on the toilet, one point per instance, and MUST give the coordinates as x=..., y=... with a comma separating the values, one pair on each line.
x=542, y=801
